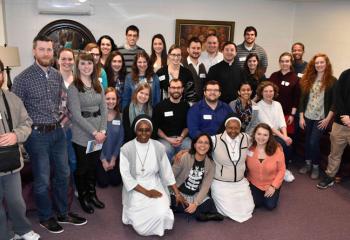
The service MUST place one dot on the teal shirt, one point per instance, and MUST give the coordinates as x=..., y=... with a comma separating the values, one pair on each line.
x=104, y=81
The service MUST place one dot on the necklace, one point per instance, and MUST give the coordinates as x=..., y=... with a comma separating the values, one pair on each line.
x=144, y=160
x=233, y=147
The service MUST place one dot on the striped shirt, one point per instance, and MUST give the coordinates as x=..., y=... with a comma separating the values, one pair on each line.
x=129, y=55
x=242, y=53
x=40, y=92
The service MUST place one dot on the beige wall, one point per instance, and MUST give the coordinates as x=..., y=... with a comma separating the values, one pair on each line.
x=318, y=24
x=2, y=24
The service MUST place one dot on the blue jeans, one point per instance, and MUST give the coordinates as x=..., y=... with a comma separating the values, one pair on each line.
x=171, y=151
x=312, y=141
x=261, y=201
x=48, y=151
x=72, y=160
x=287, y=150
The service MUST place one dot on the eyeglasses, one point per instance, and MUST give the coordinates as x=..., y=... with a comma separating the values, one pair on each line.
x=143, y=130
x=175, y=55
x=212, y=90
x=175, y=88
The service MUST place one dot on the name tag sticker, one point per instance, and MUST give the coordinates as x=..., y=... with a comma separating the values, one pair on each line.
x=168, y=114
x=255, y=107
x=300, y=75
x=242, y=59
x=100, y=79
x=116, y=122
x=207, y=117
x=64, y=103
x=250, y=153
x=202, y=75
x=162, y=78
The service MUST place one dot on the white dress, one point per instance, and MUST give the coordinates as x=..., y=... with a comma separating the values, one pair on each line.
x=233, y=199
x=148, y=216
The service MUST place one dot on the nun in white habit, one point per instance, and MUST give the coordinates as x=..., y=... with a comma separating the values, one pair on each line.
x=230, y=189
x=146, y=174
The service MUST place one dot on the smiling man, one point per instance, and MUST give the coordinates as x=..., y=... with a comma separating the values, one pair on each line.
x=39, y=87
x=249, y=46
x=130, y=48
x=227, y=73
x=194, y=64
x=211, y=55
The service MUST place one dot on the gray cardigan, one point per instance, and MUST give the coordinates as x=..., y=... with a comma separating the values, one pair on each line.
x=182, y=169
x=89, y=101
x=20, y=120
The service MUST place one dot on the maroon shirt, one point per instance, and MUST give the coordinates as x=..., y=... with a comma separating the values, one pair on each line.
x=289, y=90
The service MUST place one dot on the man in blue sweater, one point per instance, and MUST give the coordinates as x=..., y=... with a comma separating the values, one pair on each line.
x=208, y=114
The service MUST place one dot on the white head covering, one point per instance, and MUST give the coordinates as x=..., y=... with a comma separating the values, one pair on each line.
x=143, y=119
x=233, y=118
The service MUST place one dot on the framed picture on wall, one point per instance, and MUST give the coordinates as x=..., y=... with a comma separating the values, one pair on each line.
x=186, y=29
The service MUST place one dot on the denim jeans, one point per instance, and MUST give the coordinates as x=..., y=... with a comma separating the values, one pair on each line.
x=261, y=201
x=72, y=160
x=48, y=153
x=171, y=151
x=312, y=141
x=287, y=150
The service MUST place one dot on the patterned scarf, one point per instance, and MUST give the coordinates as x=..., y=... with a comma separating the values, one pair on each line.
x=245, y=115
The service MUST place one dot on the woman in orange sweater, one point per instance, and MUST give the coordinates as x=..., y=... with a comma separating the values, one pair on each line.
x=266, y=167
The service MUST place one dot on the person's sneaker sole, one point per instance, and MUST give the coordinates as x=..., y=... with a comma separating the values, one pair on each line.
x=327, y=186
x=70, y=223
x=60, y=231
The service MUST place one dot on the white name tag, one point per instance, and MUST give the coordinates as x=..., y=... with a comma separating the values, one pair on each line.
x=168, y=114
x=116, y=122
x=250, y=153
x=162, y=78
x=64, y=103
x=207, y=117
x=202, y=75
x=0, y=116
x=300, y=75
x=242, y=59
x=255, y=107
x=100, y=79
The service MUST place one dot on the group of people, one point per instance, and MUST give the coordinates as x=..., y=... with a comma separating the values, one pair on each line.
x=208, y=135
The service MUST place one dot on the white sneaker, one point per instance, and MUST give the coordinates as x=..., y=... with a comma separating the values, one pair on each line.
x=28, y=236
x=288, y=176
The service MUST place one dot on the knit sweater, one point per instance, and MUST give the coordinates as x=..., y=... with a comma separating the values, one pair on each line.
x=87, y=101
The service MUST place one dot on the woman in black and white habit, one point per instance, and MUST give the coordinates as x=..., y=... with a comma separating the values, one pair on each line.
x=146, y=174
x=230, y=189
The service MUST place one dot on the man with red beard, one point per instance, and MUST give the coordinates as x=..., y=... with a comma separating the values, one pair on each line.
x=39, y=87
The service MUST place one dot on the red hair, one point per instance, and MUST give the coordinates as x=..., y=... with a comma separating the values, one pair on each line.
x=310, y=75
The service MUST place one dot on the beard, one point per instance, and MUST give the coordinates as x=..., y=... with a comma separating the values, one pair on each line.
x=176, y=95
x=44, y=62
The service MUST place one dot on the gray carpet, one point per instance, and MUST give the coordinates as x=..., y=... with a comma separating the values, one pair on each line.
x=304, y=213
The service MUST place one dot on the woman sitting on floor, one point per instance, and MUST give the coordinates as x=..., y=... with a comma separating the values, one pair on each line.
x=266, y=167
x=146, y=174
x=194, y=174
x=230, y=189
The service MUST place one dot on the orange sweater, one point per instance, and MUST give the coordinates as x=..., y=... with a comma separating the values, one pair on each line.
x=268, y=172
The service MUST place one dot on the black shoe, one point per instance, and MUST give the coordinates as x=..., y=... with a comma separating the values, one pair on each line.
x=326, y=182
x=51, y=225
x=204, y=217
x=95, y=201
x=85, y=204
x=71, y=218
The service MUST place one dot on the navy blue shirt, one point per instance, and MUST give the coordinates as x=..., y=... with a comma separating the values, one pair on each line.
x=202, y=119
x=40, y=93
x=115, y=137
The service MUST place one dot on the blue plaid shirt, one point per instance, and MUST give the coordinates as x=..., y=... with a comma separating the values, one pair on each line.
x=40, y=93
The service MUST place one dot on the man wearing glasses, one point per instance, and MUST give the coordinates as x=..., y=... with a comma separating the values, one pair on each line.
x=207, y=115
